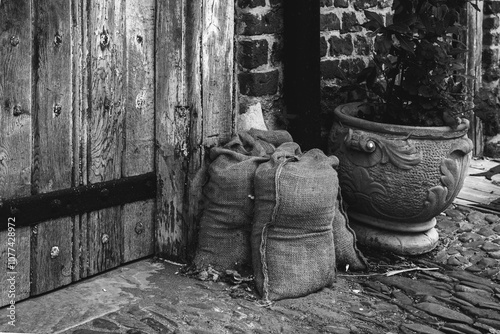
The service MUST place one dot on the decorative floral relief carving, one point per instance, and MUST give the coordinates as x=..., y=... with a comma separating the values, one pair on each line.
x=367, y=150
x=361, y=188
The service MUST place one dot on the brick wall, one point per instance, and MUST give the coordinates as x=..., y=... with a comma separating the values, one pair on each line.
x=259, y=44
x=344, y=44
x=488, y=101
x=491, y=44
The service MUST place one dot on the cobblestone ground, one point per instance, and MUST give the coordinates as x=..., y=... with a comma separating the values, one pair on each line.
x=461, y=294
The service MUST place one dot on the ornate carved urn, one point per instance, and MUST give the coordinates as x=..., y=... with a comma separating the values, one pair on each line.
x=395, y=179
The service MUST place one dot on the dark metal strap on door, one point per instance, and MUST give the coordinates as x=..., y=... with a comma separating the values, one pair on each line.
x=77, y=200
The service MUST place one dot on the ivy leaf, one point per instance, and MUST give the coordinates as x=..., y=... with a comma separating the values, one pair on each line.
x=375, y=21
x=365, y=73
x=407, y=44
x=454, y=30
x=425, y=91
x=383, y=45
x=378, y=89
x=457, y=66
x=457, y=51
x=372, y=16
x=338, y=73
x=399, y=28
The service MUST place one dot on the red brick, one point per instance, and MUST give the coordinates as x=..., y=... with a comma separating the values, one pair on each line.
x=323, y=47
x=252, y=54
x=364, y=4
x=491, y=7
x=275, y=3
x=341, y=3
x=329, y=22
x=350, y=23
x=362, y=45
x=490, y=23
x=329, y=69
x=259, y=83
x=269, y=23
x=341, y=45
x=277, y=52
x=251, y=3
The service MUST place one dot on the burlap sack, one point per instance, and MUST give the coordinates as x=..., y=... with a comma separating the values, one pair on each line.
x=292, y=238
x=225, y=225
x=347, y=254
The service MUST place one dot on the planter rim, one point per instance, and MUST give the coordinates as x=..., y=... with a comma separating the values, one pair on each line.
x=344, y=114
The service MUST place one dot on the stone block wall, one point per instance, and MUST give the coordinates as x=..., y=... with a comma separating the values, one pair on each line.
x=259, y=72
x=344, y=45
x=491, y=44
x=259, y=52
x=487, y=103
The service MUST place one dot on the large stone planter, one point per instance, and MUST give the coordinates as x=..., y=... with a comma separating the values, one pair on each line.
x=396, y=179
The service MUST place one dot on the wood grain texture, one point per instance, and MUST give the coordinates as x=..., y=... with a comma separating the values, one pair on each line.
x=138, y=230
x=139, y=146
x=474, y=68
x=15, y=133
x=194, y=102
x=478, y=190
x=81, y=94
x=53, y=132
x=138, y=220
x=106, y=127
x=198, y=164
x=172, y=128
x=218, y=70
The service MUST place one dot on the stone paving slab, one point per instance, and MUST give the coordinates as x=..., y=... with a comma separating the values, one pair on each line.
x=460, y=295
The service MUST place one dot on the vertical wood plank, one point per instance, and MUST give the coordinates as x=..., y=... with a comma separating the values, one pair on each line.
x=15, y=134
x=194, y=102
x=196, y=176
x=53, y=129
x=81, y=94
x=218, y=69
x=138, y=230
x=171, y=129
x=474, y=69
x=106, y=128
x=138, y=222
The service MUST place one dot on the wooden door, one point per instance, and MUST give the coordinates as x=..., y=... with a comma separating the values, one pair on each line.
x=105, y=90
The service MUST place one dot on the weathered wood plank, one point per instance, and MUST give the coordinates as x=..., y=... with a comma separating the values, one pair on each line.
x=477, y=196
x=81, y=77
x=218, y=69
x=196, y=176
x=171, y=130
x=51, y=256
x=106, y=127
x=474, y=68
x=138, y=222
x=194, y=54
x=139, y=153
x=478, y=190
x=15, y=135
x=138, y=230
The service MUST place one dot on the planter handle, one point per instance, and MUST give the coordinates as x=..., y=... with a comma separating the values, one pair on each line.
x=462, y=147
x=360, y=141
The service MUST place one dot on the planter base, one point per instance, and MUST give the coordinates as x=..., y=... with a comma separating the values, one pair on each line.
x=392, y=225
x=402, y=243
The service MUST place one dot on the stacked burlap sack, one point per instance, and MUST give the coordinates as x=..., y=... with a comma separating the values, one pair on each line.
x=272, y=207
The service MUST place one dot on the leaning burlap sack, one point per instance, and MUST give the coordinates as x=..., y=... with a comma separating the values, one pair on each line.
x=225, y=225
x=348, y=256
x=292, y=237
